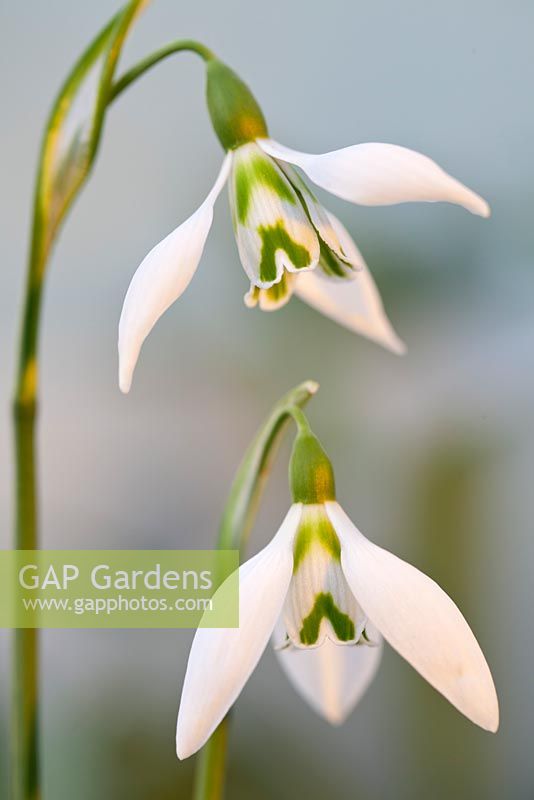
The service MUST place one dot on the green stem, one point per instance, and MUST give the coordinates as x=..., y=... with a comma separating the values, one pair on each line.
x=147, y=63
x=24, y=771
x=211, y=765
x=25, y=711
x=25, y=776
x=236, y=523
x=249, y=482
x=299, y=418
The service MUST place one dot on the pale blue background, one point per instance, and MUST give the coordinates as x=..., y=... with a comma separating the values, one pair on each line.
x=434, y=452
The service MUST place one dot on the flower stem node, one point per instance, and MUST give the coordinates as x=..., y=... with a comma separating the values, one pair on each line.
x=311, y=476
x=234, y=111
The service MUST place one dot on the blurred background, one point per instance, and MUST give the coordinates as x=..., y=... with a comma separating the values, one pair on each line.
x=434, y=452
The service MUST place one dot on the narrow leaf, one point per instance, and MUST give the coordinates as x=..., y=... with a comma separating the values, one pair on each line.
x=73, y=131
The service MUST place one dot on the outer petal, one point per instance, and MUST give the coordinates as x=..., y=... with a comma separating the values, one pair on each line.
x=221, y=660
x=353, y=303
x=162, y=277
x=332, y=678
x=378, y=174
x=420, y=621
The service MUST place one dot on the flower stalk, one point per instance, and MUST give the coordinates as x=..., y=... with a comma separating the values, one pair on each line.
x=25, y=708
x=180, y=46
x=210, y=770
x=236, y=523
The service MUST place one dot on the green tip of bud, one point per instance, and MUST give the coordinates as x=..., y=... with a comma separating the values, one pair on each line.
x=311, y=477
x=235, y=114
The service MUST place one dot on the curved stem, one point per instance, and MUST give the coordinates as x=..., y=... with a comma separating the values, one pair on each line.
x=147, y=63
x=236, y=523
x=249, y=482
x=299, y=418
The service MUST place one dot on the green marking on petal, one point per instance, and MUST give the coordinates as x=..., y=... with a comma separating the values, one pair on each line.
x=258, y=170
x=331, y=265
x=277, y=293
x=324, y=606
x=273, y=238
x=273, y=298
x=315, y=527
x=252, y=297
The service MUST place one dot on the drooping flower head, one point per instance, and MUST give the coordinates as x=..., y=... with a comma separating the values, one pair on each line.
x=287, y=242
x=328, y=597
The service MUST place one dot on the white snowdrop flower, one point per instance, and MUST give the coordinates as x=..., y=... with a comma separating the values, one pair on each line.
x=287, y=242
x=328, y=596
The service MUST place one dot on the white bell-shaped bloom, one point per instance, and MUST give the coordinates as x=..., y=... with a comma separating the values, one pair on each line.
x=287, y=242
x=330, y=595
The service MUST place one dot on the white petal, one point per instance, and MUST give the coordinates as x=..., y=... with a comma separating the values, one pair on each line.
x=221, y=660
x=274, y=298
x=331, y=678
x=420, y=621
x=319, y=216
x=273, y=232
x=319, y=602
x=354, y=303
x=161, y=278
x=377, y=174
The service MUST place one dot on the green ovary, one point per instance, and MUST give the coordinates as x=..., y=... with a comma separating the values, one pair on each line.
x=324, y=606
x=273, y=238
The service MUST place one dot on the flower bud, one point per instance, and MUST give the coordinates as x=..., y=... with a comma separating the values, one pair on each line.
x=235, y=114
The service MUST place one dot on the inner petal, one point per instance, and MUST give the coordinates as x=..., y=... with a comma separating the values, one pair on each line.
x=275, y=297
x=319, y=603
x=279, y=251
x=272, y=228
x=333, y=267
x=335, y=261
x=325, y=608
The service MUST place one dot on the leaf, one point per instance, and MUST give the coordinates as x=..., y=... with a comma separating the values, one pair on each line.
x=73, y=131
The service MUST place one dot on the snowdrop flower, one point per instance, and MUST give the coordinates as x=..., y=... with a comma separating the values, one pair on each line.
x=329, y=597
x=287, y=242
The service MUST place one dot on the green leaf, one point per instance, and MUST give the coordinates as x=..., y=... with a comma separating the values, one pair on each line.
x=73, y=131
